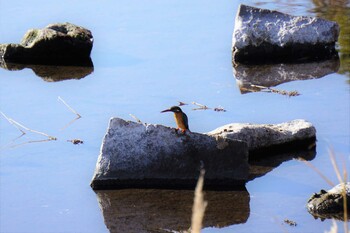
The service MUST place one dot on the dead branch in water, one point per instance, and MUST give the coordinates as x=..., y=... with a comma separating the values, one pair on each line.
x=20, y=127
x=201, y=106
x=181, y=103
x=69, y=107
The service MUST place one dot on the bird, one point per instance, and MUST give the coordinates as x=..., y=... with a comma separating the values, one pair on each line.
x=180, y=118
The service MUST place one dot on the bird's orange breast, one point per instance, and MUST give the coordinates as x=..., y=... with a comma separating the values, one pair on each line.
x=179, y=120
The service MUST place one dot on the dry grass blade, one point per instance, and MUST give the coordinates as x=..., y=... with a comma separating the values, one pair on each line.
x=69, y=107
x=199, y=205
x=343, y=181
x=317, y=171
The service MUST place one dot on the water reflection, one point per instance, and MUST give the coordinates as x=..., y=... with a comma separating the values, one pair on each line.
x=338, y=11
x=155, y=210
x=268, y=75
x=54, y=73
x=260, y=166
x=163, y=210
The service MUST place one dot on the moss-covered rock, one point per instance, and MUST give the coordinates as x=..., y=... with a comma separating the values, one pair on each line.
x=59, y=43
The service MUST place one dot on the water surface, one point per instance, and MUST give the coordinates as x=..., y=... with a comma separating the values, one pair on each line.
x=147, y=56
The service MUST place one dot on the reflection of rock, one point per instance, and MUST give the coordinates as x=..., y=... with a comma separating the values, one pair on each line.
x=52, y=73
x=259, y=165
x=330, y=204
x=270, y=75
x=262, y=35
x=54, y=44
x=155, y=156
x=164, y=210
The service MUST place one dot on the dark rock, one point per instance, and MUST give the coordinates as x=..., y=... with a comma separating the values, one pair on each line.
x=155, y=210
x=330, y=204
x=262, y=36
x=62, y=43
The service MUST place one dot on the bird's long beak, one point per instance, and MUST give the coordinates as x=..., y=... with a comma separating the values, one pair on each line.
x=166, y=110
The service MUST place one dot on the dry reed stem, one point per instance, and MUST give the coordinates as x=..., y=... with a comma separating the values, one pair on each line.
x=317, y=171
x=343, y=181
x=334, y=227
x=199, y=205
x=69, y=107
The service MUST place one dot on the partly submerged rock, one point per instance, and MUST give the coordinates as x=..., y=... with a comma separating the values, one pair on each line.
x=330, y=204
x=262, y=35
x=155, y=156
x=61, y=43
x=269, y=136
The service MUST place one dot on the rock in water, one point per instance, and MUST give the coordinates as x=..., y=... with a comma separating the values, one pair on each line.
x=330, y=204
x=262, y=35
x=264, y=136
x=135, y=155
x=61, y=43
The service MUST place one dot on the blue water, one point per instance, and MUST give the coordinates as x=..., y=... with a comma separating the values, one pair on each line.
x=147, y=56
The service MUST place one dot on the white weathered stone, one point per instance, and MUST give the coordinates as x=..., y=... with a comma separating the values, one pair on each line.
x=261, y=34
x=259, y=136
x=147, y=155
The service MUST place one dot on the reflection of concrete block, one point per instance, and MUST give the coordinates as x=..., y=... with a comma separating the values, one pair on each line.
x=150, y=210
x=261, y=35
x=330, y=204
x=269, y=75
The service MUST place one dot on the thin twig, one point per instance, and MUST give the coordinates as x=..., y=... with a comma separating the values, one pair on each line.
x=182, y=103
x=10, y=121
x=136, y=119
x=201, y=106
x=19, y=126
x=69, y=107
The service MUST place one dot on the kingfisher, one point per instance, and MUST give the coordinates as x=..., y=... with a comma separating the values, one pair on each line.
x=180, y=118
